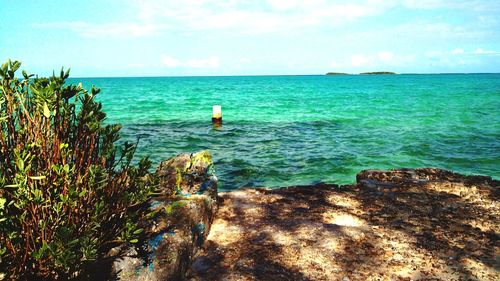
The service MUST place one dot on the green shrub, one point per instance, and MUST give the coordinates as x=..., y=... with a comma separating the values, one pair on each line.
x=66, y=190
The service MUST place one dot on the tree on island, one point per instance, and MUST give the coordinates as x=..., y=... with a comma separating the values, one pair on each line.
x=362, y=73
x=377, y=73
x=336, y=73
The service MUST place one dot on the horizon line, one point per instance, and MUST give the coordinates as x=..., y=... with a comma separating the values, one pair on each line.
x=269, y=75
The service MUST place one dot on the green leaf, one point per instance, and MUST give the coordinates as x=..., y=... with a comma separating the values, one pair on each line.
x=73, y=242
x=82, y=193
x=16, y=65
x=5, y=66
x=46, y=111
x=66, y=168
x=38, y=196
x=2, y=203
x=20, y=164
x=47, y=171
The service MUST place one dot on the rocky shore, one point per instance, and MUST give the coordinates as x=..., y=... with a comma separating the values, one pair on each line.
x=423, y=224
x=181, y=215
x=408, y=224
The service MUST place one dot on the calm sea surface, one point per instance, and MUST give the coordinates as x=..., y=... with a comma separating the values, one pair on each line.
x=289, y=130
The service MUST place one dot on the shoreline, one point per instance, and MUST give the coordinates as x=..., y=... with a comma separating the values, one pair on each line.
x=489, y=178
x=321, y=183
x=389, y=225
x=401, y=224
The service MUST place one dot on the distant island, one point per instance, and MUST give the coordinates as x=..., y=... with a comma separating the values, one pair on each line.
x=362, y=73
x=377, y=73
x=337, y=73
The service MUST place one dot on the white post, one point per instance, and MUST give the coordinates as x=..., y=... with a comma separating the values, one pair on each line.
x=217, y=114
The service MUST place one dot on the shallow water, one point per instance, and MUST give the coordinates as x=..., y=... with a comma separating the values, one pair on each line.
x=289, y=130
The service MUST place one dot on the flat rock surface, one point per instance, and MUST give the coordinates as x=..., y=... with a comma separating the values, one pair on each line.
x=424, y=224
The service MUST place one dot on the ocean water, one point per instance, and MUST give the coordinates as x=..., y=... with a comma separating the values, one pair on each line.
x=292, y=130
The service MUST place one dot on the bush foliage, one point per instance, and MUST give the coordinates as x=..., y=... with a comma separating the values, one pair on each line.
x=66, y=188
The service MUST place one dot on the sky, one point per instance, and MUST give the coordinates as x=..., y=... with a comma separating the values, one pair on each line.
x=242, y=37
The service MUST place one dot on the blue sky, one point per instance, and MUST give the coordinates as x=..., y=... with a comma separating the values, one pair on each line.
x=238, y=37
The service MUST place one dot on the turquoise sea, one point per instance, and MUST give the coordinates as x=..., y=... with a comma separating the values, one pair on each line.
x=291, y=130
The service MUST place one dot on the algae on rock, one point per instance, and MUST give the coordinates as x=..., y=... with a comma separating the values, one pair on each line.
x=183, y=213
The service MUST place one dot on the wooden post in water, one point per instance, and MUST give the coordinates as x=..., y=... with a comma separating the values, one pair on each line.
x=217, y=115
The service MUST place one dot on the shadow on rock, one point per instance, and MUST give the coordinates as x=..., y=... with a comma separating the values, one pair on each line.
x=425, y=224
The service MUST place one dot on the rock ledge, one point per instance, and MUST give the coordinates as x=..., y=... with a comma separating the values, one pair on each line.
x=408, y=224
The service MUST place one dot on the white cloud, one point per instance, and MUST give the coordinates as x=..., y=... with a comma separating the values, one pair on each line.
x=379, y=59
x=155, y=17
x=248, y=17
x=283, y=4
x=480, y=51
x=434, y=31
x=245, y=60
x=455, y=58
x=169, y=61
x=448, y=56
x=335, y=64
x=488, y=20
x=424, y=4
x=137, y=65
x=459, y=51
x=210, y=62
x=433, y=54
x=112, y=29
x=359, y=60
x=385, y=56
x=445, y=4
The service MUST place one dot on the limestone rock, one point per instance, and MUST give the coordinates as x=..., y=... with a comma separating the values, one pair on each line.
x=408, y=224
x=183, y=215
x=186, y=173
x=421, y=176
